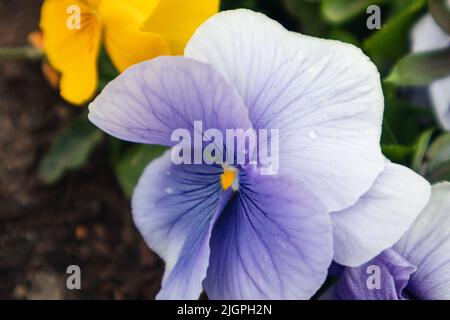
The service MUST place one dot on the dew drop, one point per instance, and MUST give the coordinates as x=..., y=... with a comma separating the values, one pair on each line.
x=168, y=173
x=168, y=190
x=313, y=135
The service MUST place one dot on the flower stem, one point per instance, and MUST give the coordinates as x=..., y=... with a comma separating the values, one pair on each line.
x=20, y=53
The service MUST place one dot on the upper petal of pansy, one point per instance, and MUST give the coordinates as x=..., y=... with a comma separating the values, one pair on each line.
x=381, y=217
x=72, y=51
x=382, y=278
x=427, y=246
x=150, y=100
x=174, y=207
x=176, y=20
x=272, y=241
x=125, y=42
x=324, y=96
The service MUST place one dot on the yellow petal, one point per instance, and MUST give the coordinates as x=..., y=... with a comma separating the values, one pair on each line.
x=143, y=7
x=36, y=39
x=71, y=51
x=51, y=75
x=176, y=20
x=125, y=42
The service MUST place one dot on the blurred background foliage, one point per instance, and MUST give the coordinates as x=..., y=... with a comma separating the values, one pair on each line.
x=411, y=135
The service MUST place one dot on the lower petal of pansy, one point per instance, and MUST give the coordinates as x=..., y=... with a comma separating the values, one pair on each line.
x=72, y=51
x=381, y=217
x=151, y=100
x=79, y=87
x=125, y=42
x=383, y=278
x=324, y=96
x=427, y=246
x=272, y=241
x=174, y=208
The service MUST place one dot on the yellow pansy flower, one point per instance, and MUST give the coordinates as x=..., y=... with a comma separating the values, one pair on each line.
x=36, y=39
x=130, y=30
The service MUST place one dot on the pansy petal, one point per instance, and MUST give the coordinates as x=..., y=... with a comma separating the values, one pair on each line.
x=125, y=42
x=72, y=51
x=184, y=17
x=427, y=246
x=324, y=96
x=174, y=208
x=383, y=278
x=381, y=217
x=440, y=96
x=272, y=241
x=428, y=36
x=150, y=100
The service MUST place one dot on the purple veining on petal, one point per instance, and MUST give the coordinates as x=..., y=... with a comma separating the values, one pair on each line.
x=269, y=243
x=175, y=213
x=303, y=85
x=150, y=100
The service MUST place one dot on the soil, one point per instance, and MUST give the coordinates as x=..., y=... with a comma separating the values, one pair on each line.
x=84, y=220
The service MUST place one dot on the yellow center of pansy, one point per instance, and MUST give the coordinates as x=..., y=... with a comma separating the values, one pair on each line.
x=229, y=178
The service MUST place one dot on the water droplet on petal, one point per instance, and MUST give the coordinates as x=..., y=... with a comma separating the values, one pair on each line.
x=168, y=190
x=313, y=135
x=168, y=173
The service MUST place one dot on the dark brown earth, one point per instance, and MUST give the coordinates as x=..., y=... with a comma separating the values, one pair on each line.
x=84, y=220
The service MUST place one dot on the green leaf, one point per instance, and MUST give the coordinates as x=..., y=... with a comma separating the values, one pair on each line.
x=107, y=70
x=421, y=68
x=390, y=43
x=340, y=11
x=402, y=121
x=308, y=14
x=438, y=159
x=236, y=4
x=70, y=149
x=344, y=36
x=397, y=153
x=399, y=6
x=420, y=150
x=441, y=13
x=132, y=163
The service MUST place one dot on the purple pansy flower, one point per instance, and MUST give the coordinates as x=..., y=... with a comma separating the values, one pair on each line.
x=417, y=267
x=262, y=237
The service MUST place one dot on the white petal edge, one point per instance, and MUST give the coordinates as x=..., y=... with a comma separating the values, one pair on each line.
x=381, y=217
x=427, y=246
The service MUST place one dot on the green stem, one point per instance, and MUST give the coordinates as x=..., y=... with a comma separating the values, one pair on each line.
x=20, y=53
